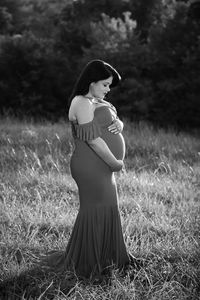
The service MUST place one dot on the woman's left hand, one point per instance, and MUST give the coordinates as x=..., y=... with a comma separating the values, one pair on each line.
x=116, y=127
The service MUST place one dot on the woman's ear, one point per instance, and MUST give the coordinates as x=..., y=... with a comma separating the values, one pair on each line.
x=91, y=85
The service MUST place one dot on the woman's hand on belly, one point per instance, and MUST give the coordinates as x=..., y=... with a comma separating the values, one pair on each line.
x=116, y=126
x=100, y=146
x=118, y=167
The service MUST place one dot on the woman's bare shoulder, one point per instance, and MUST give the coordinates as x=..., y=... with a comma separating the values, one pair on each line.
x=80, y=101
x=81, y=109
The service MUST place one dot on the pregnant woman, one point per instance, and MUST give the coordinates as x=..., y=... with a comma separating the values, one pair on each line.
x=96, y=243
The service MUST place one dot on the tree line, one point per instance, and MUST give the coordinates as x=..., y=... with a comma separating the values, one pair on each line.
x=154, y=44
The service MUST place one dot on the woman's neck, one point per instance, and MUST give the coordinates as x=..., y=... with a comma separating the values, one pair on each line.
x=94, y=99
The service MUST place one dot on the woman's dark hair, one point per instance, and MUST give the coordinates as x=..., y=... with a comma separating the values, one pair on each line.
x=94, y=71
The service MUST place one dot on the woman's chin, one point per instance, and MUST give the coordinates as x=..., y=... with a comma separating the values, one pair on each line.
x=101, y=97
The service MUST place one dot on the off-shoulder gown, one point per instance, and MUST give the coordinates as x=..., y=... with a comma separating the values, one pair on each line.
x=96, y=241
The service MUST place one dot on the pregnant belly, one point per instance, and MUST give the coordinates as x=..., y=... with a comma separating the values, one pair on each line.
x=116, y=143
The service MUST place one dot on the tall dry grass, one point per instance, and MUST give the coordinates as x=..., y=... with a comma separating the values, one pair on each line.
x=159, y=199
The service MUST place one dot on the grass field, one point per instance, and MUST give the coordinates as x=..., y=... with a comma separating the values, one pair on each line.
x=159, y=199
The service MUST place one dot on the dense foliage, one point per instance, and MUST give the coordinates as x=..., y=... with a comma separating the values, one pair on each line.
x=155, y=46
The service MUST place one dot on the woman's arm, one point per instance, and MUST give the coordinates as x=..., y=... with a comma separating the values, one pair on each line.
x=83, y=110
x=101, y=148
x=116, y=127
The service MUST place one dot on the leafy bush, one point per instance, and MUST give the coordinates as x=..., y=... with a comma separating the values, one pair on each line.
x=154, y=46
x=176, y=70
x=34, y=78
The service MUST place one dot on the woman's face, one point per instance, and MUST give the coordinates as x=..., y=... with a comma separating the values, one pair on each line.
x=100, y=88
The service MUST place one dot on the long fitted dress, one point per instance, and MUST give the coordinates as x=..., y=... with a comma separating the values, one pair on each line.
x=96, y=241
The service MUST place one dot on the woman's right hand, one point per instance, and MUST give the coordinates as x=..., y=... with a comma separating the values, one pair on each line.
x=118, y=166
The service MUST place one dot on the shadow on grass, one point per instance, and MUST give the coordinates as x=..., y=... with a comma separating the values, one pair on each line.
x=37, y=283
x=158, y=273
